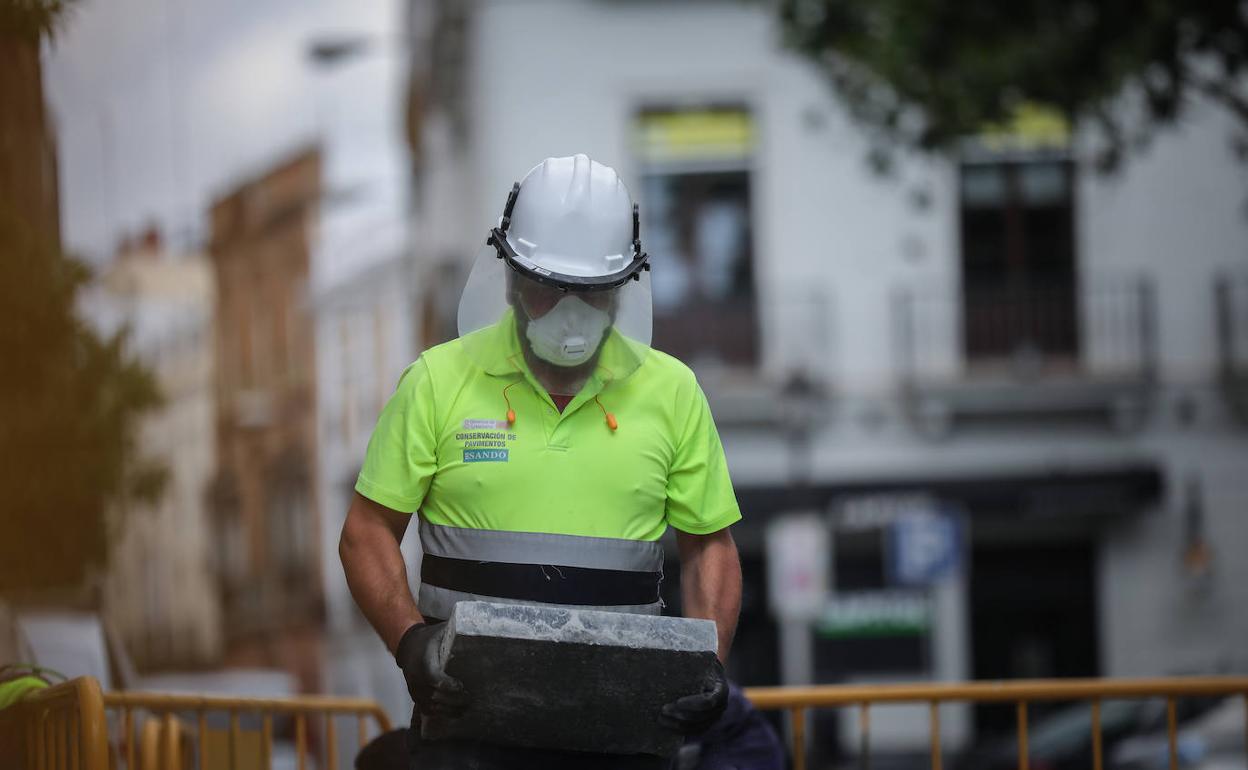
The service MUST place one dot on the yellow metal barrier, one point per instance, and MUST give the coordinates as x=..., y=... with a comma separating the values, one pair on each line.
x=58, y=728
x=797, y=700
x=65, y=727
x=243, y=748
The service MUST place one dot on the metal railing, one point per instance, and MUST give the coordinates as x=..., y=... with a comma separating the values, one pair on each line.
x=176, y=710
x=66, y=727
x=1098, y=327
x=781, y=330
x=798, y=700
x=58, y=728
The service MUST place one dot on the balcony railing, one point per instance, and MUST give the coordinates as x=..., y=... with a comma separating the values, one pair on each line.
x=1231, y=306
x=754, y=357
x=725, y=331
x=1039, y=350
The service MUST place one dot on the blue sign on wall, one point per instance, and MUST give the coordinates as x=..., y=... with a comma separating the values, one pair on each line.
x=924, y=547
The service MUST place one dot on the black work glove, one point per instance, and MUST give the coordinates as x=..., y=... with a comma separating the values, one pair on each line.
x=433, y=692
x=694, y=714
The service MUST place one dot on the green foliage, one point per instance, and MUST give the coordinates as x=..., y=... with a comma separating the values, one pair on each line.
x=925, y=73
x=70, y=402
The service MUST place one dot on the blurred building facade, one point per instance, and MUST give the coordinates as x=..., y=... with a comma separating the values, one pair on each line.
x=266, y=521
x=364, y=290
x=364, y=340
x=1048, y=353
x=160, y=589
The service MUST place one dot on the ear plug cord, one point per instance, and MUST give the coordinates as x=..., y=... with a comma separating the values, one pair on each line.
x=612, y=423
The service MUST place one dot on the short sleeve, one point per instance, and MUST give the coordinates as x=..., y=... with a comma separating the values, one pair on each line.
x=401, y=457
x=700, y=499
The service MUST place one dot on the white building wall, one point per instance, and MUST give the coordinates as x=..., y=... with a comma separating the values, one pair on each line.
x=828, y=220
x=364, y=286
x=822, y=217
x=364, y=341
x=365, y=329
x=1156, y=618
x=822, y=221
x=579, y=93
x=556, y=77
x=1177, y=213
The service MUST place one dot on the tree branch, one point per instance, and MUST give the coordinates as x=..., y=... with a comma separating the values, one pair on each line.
x=1223, y=91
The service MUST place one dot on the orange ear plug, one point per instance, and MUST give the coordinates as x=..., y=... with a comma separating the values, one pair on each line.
x=612, y=423
x=511, y=413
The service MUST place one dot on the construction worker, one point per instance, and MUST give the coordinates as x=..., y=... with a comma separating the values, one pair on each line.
x=546, y=450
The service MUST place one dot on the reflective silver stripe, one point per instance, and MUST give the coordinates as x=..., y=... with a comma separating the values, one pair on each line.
x=541, y=548
x=436, y=602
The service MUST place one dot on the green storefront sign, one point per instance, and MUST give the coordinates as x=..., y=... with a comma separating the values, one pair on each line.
x=875, y=614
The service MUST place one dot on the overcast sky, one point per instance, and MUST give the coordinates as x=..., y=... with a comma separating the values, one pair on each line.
x=159, y=105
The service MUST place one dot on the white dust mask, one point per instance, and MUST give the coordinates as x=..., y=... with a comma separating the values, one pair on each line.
x=569, y=334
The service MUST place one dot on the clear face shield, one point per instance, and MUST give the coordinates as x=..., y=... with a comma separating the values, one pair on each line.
x=560, y=332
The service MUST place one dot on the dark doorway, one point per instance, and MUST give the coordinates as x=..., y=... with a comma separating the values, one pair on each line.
x=1018, y=259
x=1033, y=615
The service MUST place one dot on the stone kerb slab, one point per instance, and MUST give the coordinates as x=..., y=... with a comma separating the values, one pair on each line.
x=579, y=680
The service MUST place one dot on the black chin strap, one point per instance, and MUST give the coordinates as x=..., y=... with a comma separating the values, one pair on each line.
x=511, y=204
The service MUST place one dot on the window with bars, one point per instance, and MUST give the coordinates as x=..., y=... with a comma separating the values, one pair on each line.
x=1020, y=288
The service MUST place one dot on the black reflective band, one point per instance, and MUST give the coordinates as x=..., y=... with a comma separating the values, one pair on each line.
x=547, y=583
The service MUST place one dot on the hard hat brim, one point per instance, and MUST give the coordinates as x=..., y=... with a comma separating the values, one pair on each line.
x=535, y=272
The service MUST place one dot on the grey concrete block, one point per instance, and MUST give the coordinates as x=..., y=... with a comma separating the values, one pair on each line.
x=578, y=680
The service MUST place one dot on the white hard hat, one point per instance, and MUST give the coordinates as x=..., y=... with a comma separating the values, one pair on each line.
x=563, y=275
x=571, y=223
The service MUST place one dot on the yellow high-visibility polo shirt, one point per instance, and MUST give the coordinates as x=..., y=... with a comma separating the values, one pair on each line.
x=442, y=446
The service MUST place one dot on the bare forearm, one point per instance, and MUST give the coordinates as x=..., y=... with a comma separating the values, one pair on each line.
x=377, y=577
x=710, y=583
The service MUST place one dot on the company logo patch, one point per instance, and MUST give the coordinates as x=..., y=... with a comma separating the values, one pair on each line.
x=485, y=441
x=485, y=455
x=485, y=425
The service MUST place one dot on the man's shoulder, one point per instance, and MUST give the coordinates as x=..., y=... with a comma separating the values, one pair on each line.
x=432, y=365
x=669, y=371
x=444, y=357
